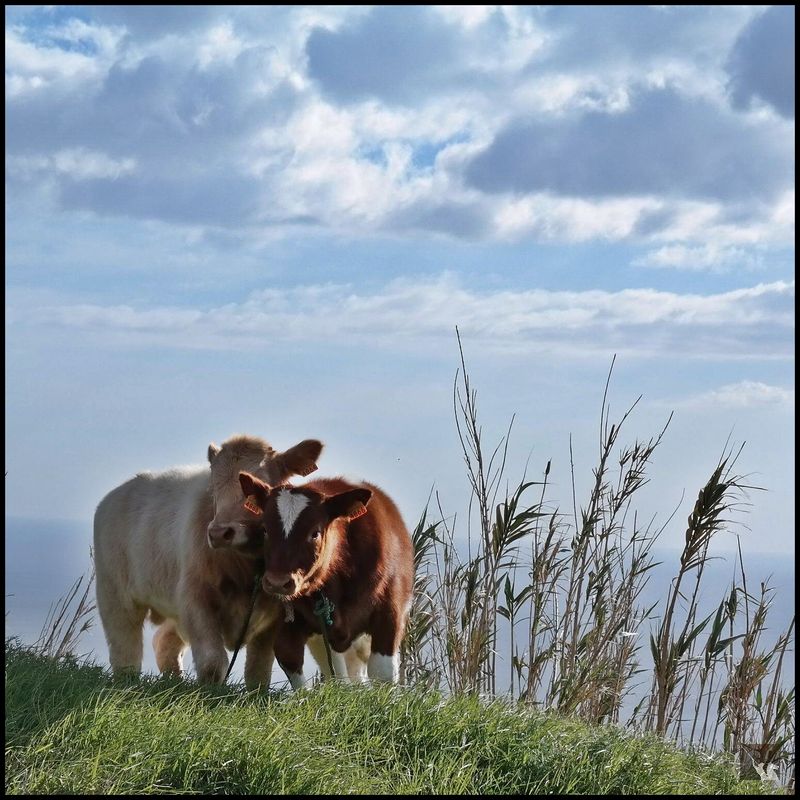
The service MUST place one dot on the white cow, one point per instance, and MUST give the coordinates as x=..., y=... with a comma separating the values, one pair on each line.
x=157, y=553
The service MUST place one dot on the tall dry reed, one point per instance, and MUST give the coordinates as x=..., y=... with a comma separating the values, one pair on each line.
x=567, y=589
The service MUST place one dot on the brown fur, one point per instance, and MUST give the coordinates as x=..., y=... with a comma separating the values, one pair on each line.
x=363, y=562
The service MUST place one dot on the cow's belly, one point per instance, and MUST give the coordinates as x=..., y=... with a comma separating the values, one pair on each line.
x=161, y=608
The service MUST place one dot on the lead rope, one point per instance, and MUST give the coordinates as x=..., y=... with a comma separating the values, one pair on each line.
x=324, y=610
x=253, y=598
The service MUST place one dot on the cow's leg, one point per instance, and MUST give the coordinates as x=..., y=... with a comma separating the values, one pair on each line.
x=208, y=649
x=357, y=656
x=289, y=644
x=210, y=659
x=169, y=649
x=384, y=666
x=260, y=658
x=387, y=631
x=125, y=639
x=122, y=623
x=316, y=646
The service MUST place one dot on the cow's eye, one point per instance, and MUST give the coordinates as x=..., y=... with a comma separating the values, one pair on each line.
x=264, y=531
x=315, y=535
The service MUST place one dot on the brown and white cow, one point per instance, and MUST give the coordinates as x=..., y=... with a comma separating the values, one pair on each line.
x=154, y=551
x=340, y=541
x=229, y=528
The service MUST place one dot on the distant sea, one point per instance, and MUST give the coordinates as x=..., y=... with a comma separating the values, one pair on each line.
x=45, y=557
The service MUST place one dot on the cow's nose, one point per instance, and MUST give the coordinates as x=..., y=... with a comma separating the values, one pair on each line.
x=220, y=534
x=281, y=582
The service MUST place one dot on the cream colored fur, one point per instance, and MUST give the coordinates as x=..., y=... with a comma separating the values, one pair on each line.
x=152, y=555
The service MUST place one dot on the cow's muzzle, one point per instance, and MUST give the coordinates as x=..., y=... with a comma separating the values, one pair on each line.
x=220, y=535
x=281, y=583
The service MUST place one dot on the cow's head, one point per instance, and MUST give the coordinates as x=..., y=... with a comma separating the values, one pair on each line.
x=229, y=528
x=298, y=530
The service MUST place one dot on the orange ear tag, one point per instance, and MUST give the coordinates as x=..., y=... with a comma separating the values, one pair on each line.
x=359, y=513
x=251, y=504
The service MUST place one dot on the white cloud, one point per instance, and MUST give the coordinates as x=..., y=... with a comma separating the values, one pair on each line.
x=568, y=219
x=752, y=322
x=103, y=39
x=783, y=212
x=83, y=164
x=468, y=16
x=221, y=44
x=37, y=65
x=189, y=107
x=701, y=257
x=744, y=394
x=31, y=67
x=78, y=163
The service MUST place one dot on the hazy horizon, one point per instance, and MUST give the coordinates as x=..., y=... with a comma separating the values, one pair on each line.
x=40, y=572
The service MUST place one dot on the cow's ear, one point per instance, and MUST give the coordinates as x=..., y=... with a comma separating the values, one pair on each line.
x=255, y=491
x=213, y=452
x=298, y=460
x=348, y=505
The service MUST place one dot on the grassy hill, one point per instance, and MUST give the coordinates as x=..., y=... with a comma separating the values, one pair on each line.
x=71, y=729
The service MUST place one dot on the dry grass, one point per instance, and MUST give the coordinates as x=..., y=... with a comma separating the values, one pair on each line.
x=568, y=590
x=69, y=617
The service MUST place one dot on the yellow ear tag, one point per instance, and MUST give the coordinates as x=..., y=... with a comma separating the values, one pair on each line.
x=251, y=504
x=359, y=513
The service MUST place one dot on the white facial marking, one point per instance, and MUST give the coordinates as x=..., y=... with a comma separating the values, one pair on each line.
x=384, y=668
x=289, y=507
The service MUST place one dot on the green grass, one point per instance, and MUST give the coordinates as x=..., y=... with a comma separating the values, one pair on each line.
x=70, y=729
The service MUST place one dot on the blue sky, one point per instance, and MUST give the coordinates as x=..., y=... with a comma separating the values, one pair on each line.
x=270, y=220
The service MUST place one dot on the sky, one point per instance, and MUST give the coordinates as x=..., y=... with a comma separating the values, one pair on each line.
x=258, y=220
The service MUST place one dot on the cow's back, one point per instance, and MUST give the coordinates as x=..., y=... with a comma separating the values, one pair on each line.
x=396, y=544
x=379, y=540
x=397, y=549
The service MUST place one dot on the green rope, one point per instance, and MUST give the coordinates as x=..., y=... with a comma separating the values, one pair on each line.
x=324, y=609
